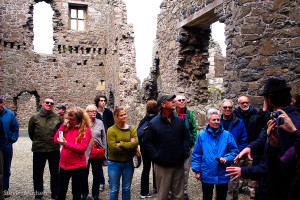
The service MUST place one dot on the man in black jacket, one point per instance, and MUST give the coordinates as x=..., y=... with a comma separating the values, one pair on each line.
x=167, y=143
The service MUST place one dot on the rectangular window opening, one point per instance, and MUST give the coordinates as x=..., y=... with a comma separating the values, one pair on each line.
x=77, y=17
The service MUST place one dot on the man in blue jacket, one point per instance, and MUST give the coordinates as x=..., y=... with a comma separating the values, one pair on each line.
x=10, y=136
x=237, y=128
x=167, y=143
x=276, y=96
x=215, y=149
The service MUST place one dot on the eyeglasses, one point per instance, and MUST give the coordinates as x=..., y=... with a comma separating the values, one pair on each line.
x=181, y=100
x=92, y=111
x=72, y=120
x=227, y=107
x=49, y=103
x=244, y=102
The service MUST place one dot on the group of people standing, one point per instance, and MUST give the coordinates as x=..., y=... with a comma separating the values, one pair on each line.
x=236, y=143
x=81, y=130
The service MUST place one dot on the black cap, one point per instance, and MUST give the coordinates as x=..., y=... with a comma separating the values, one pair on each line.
x=1, y=99
x=62, y=107
x=274, y=85
x=164, y=97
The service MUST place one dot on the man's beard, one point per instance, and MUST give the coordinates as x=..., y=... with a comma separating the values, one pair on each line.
x=245, y=109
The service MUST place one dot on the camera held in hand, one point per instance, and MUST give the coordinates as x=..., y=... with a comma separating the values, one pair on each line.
x=274, y=116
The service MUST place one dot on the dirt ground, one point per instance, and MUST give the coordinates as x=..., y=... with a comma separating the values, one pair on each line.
x=21, y=185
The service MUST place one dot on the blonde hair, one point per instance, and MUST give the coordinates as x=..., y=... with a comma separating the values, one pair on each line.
x=84, y=122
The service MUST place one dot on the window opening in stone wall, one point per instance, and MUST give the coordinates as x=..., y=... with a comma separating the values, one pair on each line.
x=218, y=34
x=42, y=28
x=77, y=17
x=217, y=54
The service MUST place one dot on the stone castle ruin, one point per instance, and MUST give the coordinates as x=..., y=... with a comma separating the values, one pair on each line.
x=98, y=59
x=262, y=37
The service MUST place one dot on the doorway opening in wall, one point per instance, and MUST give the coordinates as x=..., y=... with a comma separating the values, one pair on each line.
x=217, y=54
x=201, y=61
x=42, y=28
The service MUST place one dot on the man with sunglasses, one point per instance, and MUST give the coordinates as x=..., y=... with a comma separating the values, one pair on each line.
x=237, y=128
x=188, y=118
x=41, y=129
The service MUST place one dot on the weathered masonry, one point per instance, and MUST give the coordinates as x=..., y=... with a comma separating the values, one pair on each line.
x=93, y=53
x=262, y=37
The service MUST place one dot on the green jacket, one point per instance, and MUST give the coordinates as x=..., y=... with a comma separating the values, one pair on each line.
x=123, y=152
x=190, y=124
x=42, y=129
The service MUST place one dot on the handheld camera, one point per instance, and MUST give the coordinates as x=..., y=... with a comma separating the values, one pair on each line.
x=274, y=116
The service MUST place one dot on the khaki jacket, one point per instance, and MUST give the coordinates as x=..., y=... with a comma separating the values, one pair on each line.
x=42, y=129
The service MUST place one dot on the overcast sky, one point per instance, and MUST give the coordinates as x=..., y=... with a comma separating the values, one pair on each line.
x=141, y=13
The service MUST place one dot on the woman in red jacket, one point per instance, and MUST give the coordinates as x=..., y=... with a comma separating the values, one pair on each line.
x=76, y=137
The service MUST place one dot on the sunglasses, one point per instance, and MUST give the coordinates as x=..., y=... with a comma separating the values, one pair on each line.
x=49, y=103
x=227, y=107
x=181, y=100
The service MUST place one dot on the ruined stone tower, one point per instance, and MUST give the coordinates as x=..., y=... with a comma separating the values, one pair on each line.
x=97, y=58
x=262, y=37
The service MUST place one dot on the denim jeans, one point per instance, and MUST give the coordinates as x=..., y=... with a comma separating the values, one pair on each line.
x=96, y=170
x=208, y=191
x=1, y=176
x=116, y=170
x=7, y=152
x=39, y=162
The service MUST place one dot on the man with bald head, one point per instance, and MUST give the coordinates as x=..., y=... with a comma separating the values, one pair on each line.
x=247, y=113
x=253, y=123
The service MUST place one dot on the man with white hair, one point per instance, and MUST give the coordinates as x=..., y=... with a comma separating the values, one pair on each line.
x=215, y=149
x=189, y=121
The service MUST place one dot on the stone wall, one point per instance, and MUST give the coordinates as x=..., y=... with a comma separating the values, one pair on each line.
x=100, y=59
x=262, y=40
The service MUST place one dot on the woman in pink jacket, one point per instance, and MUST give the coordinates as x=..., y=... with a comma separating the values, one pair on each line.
x=76, y=137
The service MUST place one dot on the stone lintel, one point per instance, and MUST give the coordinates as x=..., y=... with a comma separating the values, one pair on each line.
x=203, y=17
x=78, y=3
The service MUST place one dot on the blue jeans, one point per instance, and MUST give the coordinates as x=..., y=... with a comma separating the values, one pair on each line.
x=208, y=191
x=7, y=157
x=96, y=170
x=115, y=171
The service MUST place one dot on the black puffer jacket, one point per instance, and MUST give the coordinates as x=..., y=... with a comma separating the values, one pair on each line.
x=167, y=144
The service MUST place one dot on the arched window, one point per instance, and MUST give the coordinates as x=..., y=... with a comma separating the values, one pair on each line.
x=42, y=28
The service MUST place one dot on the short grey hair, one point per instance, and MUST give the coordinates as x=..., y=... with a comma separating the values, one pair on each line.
x=90, y=107
x=212, y=111
x=227, y=100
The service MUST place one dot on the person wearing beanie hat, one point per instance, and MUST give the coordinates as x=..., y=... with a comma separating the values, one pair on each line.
x=167, y=142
